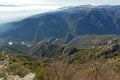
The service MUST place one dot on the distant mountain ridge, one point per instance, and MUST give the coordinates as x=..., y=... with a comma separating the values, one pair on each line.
x=76, y=21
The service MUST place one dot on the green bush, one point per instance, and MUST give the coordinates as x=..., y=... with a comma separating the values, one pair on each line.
x=17, y=69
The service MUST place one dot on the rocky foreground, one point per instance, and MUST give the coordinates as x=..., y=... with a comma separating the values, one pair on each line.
x=3, y=65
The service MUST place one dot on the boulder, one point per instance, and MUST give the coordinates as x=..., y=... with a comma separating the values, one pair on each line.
x=2, y=79
x=30, y=76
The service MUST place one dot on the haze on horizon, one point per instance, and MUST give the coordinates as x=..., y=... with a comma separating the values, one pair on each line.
x=60, y=2
x=25, y=8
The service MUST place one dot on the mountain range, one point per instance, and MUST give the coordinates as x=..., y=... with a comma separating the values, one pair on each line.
x=71, y=43
x=65, y=24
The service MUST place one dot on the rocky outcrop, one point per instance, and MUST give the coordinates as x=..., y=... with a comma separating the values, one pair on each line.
x=3, y=65
x=11, y=77
x=30, y=76
x=2, y=79
x=109, y=51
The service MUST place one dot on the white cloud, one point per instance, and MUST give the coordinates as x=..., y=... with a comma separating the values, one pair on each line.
x=9, y=14
x=17, y=2
x=56, y=2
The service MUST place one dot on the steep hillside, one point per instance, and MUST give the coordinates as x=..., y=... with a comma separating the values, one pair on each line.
x=43, y=49
x=16, y=48
x=87, y=41
x=51, y=50
x=76, y=21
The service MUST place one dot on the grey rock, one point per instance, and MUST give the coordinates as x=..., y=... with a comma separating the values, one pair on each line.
x=30, y=76
x=2, y=79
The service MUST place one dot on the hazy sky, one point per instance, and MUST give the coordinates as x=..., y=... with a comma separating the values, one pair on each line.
x=63, y=2
x=14, y=13
x=31, y=7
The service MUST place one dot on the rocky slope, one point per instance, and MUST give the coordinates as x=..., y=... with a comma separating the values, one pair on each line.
x=82, y=64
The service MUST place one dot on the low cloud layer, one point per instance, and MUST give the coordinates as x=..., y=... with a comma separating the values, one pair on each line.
x=14, y=13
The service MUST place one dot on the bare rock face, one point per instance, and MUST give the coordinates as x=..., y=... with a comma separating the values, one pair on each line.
x=30, y=76
x=2, y=79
